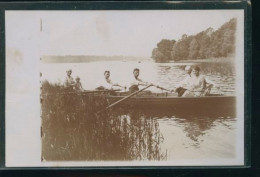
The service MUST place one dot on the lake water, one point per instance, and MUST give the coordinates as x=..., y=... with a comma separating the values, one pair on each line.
x=154, y=134
x=164, y=74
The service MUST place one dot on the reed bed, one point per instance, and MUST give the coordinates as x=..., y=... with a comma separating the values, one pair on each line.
x=219, y=66
x=72, y=131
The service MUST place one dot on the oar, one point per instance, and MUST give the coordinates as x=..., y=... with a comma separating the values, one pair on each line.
x=163, y=88
x=119, y=101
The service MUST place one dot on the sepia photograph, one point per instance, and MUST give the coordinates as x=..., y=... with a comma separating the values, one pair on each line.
x=125, y=88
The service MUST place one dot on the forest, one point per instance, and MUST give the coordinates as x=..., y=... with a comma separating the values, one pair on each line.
x=209, y=43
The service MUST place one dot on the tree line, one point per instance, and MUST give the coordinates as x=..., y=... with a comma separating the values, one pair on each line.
x=206, y=44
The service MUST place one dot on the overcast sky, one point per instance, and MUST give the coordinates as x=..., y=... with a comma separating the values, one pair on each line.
x=128, y=33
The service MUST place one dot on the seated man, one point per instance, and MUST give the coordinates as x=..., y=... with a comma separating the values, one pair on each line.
x=183, y=85
x=69, y=81
x=137, y=81
x=78, y=85
x=108, y=81
x=199, y=85
x=194, y=84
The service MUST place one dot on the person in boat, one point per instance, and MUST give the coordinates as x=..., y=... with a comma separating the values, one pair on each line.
x=134, y=86
x=180, y=88
x=108, y=81
x=198, y=84
x=69, y=81
x=78, y=85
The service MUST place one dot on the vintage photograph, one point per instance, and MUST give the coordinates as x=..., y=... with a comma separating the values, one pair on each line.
x=163, y=87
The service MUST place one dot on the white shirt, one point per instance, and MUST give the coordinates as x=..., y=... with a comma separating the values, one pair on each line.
x=185, y=82
x=69, y=81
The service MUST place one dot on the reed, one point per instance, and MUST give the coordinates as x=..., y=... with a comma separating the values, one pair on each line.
x=72, y=131
x=220, y=67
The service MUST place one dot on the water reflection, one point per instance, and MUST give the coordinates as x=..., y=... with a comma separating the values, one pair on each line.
x=194, y=123
x=142, y=135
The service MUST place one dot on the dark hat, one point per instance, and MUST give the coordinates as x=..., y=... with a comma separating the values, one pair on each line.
x=106, y=72
x=196, y=68
x=136, y=69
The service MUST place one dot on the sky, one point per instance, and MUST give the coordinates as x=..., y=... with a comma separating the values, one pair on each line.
x=108, y=33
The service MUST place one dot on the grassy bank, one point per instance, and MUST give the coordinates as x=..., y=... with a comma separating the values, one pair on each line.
x=72, y=131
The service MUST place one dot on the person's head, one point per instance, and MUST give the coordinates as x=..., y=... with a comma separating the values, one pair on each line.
x=77, y=79
x=136, y=72
x=69, y=71
x=188, y=69
x=107, y=74
x=196, y=70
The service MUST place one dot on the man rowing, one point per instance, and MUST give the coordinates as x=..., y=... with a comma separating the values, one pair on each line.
x=109, y=83
x=137, y=81
x=200, y=85
x=180, y=88
x=195, y=84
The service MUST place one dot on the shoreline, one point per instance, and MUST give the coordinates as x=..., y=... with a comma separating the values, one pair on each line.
x=210, y=60
x=230, y=59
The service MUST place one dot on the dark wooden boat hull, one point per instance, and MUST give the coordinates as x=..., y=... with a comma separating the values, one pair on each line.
x=227, y=102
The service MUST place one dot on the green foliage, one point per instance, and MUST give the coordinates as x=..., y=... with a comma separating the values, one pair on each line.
x=206, y=44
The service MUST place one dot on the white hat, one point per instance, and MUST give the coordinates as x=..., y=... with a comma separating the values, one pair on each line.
x=188, y=68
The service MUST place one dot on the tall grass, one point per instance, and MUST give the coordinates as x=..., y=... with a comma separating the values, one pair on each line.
x=71, y=129
x=217, y=67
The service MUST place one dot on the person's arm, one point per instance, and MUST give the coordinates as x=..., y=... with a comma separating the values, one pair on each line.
x=114, y=84
x=143, y=83
x=181, y=84
x=204, y=84
x=203, y=87
x=119, y=86
x=211, y=83
x=80, y=86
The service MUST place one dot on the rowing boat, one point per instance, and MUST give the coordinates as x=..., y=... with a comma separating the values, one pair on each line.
x=171, y=100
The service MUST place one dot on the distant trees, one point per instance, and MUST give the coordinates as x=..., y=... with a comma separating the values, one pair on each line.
x=206, y=44
x=163, y=51
x=180, y=49
x=194, y=49
x=158, y=56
